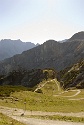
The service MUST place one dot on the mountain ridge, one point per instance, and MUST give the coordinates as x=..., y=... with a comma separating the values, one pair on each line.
x=9, y=48
x=78, y=36
x=50, y=54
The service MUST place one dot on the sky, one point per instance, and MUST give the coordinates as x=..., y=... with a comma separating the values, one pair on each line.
x=40, y=20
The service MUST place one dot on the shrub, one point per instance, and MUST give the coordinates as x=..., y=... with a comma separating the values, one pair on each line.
x=39, y=91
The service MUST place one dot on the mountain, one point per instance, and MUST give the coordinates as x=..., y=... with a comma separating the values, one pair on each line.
x=78, y=36
x=51, y=54
x=26, y=78
x=61, y=41
x=72, y=76
x=8, y=47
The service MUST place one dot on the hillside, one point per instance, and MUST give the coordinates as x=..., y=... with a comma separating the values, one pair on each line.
x=8, y=47
x=72, y=76
x=51, y=54
x=27, y=78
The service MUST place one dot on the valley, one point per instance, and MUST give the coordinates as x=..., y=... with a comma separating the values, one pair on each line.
x=50, y=104
x=44, y=84
x=41, y=62
x=47, y=103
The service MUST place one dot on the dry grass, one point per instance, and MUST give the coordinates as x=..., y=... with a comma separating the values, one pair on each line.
x=44, y=102
x=5, y=120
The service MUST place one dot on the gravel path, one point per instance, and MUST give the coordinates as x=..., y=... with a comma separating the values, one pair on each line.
x=33, y=121
x=40, y=86
x=77, y=92
x=16, y=114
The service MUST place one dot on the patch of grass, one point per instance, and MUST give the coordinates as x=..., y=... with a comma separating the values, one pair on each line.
x=6, y=90
x=5, y=120
x=61, y=118
x=50, y=88
x=68, y=93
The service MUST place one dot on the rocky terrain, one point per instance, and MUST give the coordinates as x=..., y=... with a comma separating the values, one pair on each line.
x=51, y=54
x=72, y=76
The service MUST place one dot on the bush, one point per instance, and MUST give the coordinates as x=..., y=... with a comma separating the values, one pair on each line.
x=39, y=91
x=6, y=90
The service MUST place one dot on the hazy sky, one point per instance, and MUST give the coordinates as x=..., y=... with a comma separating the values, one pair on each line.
x=39, y=20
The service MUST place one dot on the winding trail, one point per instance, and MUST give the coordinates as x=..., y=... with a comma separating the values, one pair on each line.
x=57, y=84
x=42, y=85
x=77, y=92
x=33, y=121
x=16, y=114
x=59, y=94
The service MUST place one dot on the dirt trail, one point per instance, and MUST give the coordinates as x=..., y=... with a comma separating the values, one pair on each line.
x=59, y=94
x=16, y=114
x=77, y=92
x=15, y=111
x=42, y=85
x=33, y=121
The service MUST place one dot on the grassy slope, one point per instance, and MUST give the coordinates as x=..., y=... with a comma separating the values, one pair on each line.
x=72, y=76
x=50, y=88
x=5, y=120
x=46, y=101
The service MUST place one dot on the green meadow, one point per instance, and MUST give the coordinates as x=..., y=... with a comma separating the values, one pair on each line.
x=46, y=101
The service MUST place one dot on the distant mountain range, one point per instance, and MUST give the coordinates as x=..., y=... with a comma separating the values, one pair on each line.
x=9, y=48
x=51, y=54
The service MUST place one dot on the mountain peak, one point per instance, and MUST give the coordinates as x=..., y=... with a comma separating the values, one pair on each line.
x=51, y=40
x=78, y=36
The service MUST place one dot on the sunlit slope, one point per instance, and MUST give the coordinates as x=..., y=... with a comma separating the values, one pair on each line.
x=50, y=87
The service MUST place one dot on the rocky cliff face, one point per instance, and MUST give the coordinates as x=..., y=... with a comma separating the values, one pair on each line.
x=51, y=54
x=78, y=36
x=72, y=76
